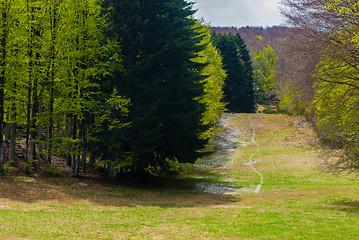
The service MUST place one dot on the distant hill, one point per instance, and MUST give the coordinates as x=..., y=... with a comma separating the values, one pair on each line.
x=271, y=35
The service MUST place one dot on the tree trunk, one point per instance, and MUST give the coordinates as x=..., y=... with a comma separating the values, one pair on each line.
x=75, y=159
x=111, y=173
x=83, y=161
x=52, y=82
x=7, y=129
x=12, y=135
x=27, y=137
x=2, y=84
x=92, y=160
x=51, y=126
x=69, y=126
x=77, y=165
x=33, y=131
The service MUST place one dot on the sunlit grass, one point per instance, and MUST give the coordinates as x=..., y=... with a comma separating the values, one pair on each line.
x=297, y=200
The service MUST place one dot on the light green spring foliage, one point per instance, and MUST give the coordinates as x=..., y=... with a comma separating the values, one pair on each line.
x=350, y=9
x=15, y=59
x=263, y=71
x=291, y=101
x=336, y=102
x=55, y=48
x=337, y=87
x=213, y=82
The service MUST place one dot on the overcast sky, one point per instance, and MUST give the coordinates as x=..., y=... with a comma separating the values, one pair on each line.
x=239, y=13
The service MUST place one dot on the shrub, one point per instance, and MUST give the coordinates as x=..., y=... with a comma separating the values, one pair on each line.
x=53, y=170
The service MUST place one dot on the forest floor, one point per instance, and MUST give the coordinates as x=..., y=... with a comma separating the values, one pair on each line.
x=265, y=181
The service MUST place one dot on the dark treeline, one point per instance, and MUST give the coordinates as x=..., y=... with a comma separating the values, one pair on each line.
x=131, y=85
x=239, y=89
x=271, y=35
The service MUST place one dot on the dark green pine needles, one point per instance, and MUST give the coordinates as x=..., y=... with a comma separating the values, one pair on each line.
x=239, y=86
x=158, y=42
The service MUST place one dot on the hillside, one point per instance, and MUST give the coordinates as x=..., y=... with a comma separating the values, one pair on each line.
x=264, y=182
x=271, y=35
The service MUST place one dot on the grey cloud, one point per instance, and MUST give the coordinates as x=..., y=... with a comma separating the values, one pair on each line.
x=239, y=12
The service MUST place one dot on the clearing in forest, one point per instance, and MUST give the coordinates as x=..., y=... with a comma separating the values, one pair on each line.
x=266, y=181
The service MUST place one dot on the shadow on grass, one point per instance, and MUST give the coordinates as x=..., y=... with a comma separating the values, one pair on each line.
x=207, y=190
x=161, y=192
x=348, y=206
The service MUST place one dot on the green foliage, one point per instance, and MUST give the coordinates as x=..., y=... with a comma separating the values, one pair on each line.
x=273, y=109
x=164, y=84
x=263, y=72
x=336, y=99
x=53, y=170
x=291, y=101
x=55, y=59
x=239, y=87
x=336, y=105
x=181, y=169
x=8, y=167
x=214, y=76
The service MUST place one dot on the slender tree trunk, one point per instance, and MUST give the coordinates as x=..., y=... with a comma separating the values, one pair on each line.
x=33, y=130
x=77, y=165
x=110, y=170
x=12, y=134
x=51, y=126
x=41, y=139
x=69, y=135
x=28, y=122
x=92, y=160
x=83, y=157
x=111, y=173
x=75, y=159
x=7, y=129
x=83, y=160
x=52, y=83
x=29, y=89
x=2, y=84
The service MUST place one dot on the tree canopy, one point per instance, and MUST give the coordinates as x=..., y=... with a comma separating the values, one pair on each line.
x=239, y=86
x=131, y=84
x=331, y=41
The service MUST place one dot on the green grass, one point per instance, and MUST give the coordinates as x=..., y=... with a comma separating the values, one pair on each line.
x=297, y=200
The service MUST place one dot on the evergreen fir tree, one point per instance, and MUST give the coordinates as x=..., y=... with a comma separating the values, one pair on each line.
x=164, y=85
x=239, y=87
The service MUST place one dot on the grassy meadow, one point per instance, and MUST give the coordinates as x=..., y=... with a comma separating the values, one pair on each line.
x=296, y=200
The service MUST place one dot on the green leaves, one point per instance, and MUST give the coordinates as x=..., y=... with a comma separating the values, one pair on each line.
x=263, y=72
x=213, y=80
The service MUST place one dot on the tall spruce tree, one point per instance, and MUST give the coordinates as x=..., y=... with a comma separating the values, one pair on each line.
x=239, y=87
x=164, y=85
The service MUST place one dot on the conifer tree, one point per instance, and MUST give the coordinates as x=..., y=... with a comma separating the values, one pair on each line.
x=239, y=88
x=164, y=85
x=214, y=76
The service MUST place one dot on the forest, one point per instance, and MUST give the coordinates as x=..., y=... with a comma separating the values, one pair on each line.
x=314, y=72
x=128, y=86
x=133, y=87
x=132, y=119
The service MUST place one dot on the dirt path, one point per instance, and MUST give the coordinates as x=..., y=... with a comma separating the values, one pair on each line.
x=251, y=146
x=251, y=163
